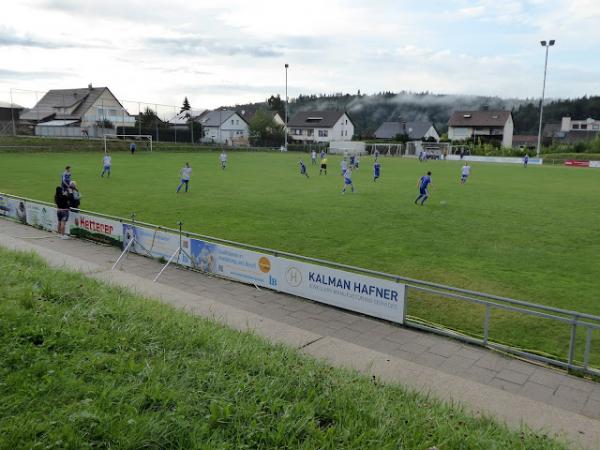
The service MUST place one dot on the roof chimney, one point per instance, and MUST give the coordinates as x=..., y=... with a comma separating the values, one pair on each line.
x=90, y=86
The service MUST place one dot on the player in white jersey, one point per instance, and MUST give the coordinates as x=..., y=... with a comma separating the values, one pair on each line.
x=465, y=172
x=186, y=172
x=223, y=159
x=106, y=165
x=313, y=157
x=344, y=166
x=348, y=180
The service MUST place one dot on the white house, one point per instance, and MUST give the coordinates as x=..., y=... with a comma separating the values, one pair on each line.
x=485, y=125
x=223, y=126
x=567, y=124
x=415, y=130
x=321, y=126
x=73, y=112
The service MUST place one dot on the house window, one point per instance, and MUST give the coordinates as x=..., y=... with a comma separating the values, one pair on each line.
x=297, y=131
x=584, y=126
x=323, y=133
x=232, y=121
x=576, y=126
x=346, y=121
x=310, y=132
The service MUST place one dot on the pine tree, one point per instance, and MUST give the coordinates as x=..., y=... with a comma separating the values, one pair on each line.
x=186, y=105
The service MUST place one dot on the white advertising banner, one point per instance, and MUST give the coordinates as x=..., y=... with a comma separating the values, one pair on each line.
x=595, y=164
x=156, y=243
x=13, y=208
x=96, y=228
x=41, y=216
x=494, y=159
x=241, y=265
x=367, y=295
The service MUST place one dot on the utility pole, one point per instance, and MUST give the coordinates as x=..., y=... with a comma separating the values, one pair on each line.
x=548, y=44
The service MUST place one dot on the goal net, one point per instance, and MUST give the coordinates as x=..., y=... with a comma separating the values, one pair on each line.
x=124, y=141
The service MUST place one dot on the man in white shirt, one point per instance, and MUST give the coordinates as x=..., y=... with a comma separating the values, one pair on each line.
x=344, y=166
x=186, y=171
x=313, y=157
x=223, y=159
x=465, y=172
x=106, y=163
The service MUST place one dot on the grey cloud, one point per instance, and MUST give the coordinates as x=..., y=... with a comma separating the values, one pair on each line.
x=30, y=75
x=11, y=38
x=202, y=46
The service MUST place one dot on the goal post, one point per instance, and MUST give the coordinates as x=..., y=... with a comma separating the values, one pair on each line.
x=127, y=137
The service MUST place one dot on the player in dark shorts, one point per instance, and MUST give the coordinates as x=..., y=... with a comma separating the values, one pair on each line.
x=323, y=165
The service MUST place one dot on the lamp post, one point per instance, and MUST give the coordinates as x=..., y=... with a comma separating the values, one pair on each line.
x=286, y=108
x=548, y=44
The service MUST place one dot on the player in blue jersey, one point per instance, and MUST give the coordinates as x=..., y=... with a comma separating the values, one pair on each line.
x=423, y=184
x=106, y=164
x=525, y=160
x=65, y=180
x=348, y=180
x=352, y=161
x=376, y=170
x=303, y=169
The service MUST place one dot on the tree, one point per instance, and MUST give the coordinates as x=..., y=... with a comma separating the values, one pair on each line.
x=264, y=130
x=186, y=105
x=276, y=104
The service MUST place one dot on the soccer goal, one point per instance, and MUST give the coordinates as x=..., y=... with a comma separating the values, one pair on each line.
x=129, y=138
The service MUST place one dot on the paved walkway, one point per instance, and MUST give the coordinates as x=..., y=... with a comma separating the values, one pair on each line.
x=514, y=391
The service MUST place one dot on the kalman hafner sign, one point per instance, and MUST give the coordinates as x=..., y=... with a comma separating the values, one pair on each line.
x=364, y=294
x=355, y=286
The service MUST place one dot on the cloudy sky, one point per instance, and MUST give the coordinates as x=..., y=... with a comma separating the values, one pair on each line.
x=227, y=52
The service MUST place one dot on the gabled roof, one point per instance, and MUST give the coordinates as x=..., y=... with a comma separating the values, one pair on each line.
x=184, y=116
x=316, y=119
x=9, y=105
x=415, y=130
x=215, y=118
x=79, y=101
x=479, y=118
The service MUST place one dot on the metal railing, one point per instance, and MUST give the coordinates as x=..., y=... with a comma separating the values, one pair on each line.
x=576, y=320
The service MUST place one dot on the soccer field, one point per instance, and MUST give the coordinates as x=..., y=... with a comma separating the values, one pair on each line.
x=528, y=233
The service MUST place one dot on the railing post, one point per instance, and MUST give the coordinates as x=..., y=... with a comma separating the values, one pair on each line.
x=572, y=341
x=404, y=302
x=588, y=344
x=486, y=323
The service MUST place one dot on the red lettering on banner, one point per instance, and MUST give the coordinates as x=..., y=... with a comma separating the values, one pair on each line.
x=576, y=163
x=95, y=226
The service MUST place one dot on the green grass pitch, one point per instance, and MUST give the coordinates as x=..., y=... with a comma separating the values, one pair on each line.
x=526, y=233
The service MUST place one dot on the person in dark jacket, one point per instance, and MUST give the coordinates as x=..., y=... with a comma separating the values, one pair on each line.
x=61, y=199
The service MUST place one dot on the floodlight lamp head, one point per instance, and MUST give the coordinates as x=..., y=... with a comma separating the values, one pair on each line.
x=543, y=43
x=552, y=41
x=287, y=65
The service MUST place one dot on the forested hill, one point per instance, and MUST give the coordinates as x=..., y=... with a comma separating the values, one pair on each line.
x=369, y=111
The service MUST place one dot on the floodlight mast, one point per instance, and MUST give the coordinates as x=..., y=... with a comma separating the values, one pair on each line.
x=286, y=107
x=539, y=140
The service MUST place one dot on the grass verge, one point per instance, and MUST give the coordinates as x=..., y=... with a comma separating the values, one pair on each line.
x=86, y=365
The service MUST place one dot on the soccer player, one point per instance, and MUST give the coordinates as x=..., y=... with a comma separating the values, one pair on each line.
x=465, y=172
x=352, y=161
x=186, y=171
x=223, y=159
x=376, y=170
x=357, y=161
x=303, y=169
x=344, y=166
x=348, y=180
x=525, y=160
x=313, y=157
x=323, y=164
x=132, y=147
x=376, y=154
x=65, y=181
x=106, y=163
x=322, y=154
x=423, y=183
